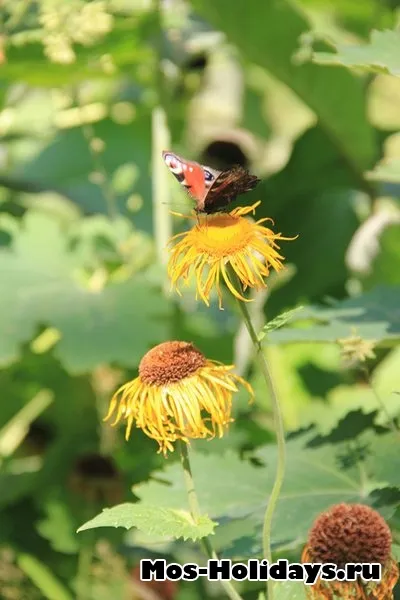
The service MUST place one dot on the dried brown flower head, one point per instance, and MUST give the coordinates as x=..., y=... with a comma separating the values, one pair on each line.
x=351, y=533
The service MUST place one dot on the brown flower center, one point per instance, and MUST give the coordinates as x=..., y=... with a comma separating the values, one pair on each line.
x=350, y=533
x=170, y=362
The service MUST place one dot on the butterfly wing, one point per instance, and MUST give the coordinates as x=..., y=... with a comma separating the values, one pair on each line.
x=194, y=177
x=227, y=186
x=212, y=190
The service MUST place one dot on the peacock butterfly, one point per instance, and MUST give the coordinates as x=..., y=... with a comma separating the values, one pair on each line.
x=211, y=189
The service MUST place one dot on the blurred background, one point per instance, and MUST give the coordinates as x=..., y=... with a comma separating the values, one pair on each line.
x=91, y=92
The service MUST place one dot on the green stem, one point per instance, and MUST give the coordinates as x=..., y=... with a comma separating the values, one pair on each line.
x=280, y=437
x=162, y=222
x=391, y=421
x=195, y=512
x=83, y=584
x=95, y=151
x=104, y=182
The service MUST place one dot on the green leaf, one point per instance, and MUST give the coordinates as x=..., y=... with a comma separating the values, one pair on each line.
x=372, y=316
x=117, y=322
x=233, y=491
x=278, y=322
x=15, y=486
x=382, y=54
x=153, y=520
x=289, y=590
x=66, y=163
x=315, y=189
x=271, y=41
x=43, y=578
x=382, y=460
x=385, y=268
x=58, y=527
x=386, y=170
x=348, y=428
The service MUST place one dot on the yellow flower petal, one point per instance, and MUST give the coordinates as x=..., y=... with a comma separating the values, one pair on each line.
x=219, y=244
x=178, y=395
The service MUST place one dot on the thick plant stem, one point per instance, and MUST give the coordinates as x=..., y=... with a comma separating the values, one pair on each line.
x=195, y=512
x=162, y=222
x=280, y=438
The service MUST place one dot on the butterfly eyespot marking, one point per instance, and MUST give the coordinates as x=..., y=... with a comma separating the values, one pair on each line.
x=208, y=176
x=173, y=163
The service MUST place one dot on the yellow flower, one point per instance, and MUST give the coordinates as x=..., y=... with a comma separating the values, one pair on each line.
x=221, y=243
x=178, y=395
x=351, y=533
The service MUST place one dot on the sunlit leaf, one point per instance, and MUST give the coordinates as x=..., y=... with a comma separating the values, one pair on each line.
x=372, y=316
x=235, y=493
x=387, y=170
x=382, y=54
x=278, y=322
x=153, y=520
x=271, y=41
x=45, y=286
x=290, y=590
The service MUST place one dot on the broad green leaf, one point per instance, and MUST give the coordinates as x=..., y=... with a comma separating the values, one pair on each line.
x=386, y=496
x=396, y=551
x=382, y=54
x=387, y=170
x=385, y=268
x=383, y=459
x=372, y=316
x=67, y=165
x=317, y=253
x=43, y=578
x=233, y=491
x=58, y=527
x=348, y=428
x=340, y=401
x=271, y=41
x=289, y=590
x=303, y=371
x=315, y=189
x=153, y=520
x=278, y=322
x=116, y=322
x=15, y=486
x=315, y=168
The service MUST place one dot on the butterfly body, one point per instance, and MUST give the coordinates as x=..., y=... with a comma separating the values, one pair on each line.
x=211, y=189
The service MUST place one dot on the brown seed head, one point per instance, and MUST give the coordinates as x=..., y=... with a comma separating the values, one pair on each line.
x=349, y=533
x=170, y=362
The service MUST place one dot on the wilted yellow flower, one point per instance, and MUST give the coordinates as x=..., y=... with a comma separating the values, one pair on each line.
x=178, y=395
x=351, y=533
x=224, y=242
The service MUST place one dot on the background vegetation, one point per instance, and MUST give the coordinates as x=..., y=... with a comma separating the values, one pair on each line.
x=306, y=95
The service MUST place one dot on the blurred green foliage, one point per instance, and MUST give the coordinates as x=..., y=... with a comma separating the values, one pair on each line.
x=84, y=292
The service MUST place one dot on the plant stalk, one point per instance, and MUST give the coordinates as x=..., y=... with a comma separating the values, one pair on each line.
x=280, y=437
x=195, y=512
